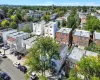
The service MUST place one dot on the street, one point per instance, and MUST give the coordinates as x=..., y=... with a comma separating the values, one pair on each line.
x=7, y=66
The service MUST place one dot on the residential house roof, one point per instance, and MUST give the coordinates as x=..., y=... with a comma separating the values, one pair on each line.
x=97, y=35
x=65, y=30
x=82, y=33
x=76, y=54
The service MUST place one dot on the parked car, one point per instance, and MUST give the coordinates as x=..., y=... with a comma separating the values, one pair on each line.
x=11, y=51
x=4, y=76
x=3, y=55
x=16, y=64
x=1, y=44
x=6, y=47
x=33, y=76
x=22, y=68
x=19, y=57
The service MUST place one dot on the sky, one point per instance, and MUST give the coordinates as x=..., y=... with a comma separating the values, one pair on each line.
x=50, y=2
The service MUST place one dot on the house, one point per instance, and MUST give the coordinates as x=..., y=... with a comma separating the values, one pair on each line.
x=81, y=37
x=64, y=36
x=66, y=16
x=75, y=56
x=96, y=38
x=82, y=16
x=83, y=20
x=98, y=11
x=60, y=19
x=14, y=41
x=38, y=28
x=54, y=16
x=50, y=29
x=23, y=24
x=37, y=15
x=4, y=32
x=98, y=17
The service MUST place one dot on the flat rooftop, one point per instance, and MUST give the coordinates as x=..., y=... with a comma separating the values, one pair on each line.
x=83, y=33
x=65, y=30
x=29, y=41
x=17, y=34
x=97, y=35
x=76, y=55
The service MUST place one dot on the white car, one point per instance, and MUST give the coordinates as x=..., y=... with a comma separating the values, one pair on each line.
x=2, y=55
x=33, y=75
x=16, y=64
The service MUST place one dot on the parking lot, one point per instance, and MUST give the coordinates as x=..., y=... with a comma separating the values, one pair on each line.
x=12, y=57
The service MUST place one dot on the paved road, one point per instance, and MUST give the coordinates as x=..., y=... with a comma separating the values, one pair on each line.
x=12, y=71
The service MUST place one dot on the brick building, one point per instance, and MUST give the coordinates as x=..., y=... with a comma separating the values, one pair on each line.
x=81, y=37
x=64, y=35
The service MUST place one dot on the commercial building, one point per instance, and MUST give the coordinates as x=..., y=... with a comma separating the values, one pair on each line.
x=50, y=29
x=14, y=41
x=64, y=36
x=4, y=32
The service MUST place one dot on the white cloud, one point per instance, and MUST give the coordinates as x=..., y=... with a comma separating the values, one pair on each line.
x=92, y=4
x=69, y=4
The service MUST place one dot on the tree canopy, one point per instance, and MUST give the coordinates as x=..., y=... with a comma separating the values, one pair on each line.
x=26, y=29
x=13, y=25
x=5, y=23
x=92, y=23
x=14, y=18
x=89, y=67
x=44, y=46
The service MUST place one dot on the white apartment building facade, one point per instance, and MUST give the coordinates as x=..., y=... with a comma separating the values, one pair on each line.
x=50, y=29
x=38, y=28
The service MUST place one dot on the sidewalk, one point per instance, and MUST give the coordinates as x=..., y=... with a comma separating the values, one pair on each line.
x=12, y=57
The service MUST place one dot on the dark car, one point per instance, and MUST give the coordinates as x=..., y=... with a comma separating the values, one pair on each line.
x=4, y=76
x=22, y=68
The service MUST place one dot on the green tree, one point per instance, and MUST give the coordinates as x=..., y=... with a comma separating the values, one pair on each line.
x=10, y=12
x=89, y=66
x=92, y=23
x=14, y=18
x=42, y=47
x=26, y=29
x=43, y=78
x=46, y=18
x=19, y=16
x=71, y=23
x=5, y=23
x=64, y=23
x=59, y=24
x=73, y=75
x=13, y=25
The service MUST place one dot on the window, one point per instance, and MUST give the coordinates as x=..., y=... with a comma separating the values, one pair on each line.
x=50, y=26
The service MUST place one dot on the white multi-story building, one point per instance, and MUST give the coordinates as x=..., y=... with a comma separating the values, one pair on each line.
x=38, y=28
x=14, y=40
x=4, y=32
x=50, y=29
